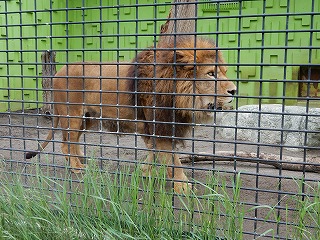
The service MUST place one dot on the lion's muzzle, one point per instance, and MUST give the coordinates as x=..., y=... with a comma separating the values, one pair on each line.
x=213, y=106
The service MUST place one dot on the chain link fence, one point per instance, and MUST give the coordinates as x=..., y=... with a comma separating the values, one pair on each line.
x=222, y=89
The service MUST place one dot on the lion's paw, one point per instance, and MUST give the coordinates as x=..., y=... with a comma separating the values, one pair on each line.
x=182, y=187
x=146, y=171
x=79, y=168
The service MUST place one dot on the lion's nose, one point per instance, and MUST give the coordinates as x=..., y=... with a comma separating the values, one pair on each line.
x=232, y=92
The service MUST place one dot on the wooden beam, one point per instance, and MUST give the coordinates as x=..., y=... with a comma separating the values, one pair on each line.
x=181, y=20
x=286, y=162
x=48, y=59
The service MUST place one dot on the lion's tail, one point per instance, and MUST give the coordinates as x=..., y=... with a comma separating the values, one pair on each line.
x=45, y=143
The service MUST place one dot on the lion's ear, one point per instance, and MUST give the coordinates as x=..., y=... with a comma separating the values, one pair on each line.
x=183, y=56
x=186, y=58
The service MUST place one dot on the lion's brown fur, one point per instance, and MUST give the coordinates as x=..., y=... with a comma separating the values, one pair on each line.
x=157, y=88
x=171, y=119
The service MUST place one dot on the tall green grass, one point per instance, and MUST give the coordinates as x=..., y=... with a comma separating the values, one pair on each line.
x=308, y=212
x=124, y=205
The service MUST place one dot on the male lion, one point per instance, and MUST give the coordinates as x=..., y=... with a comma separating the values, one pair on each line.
x=163, y=90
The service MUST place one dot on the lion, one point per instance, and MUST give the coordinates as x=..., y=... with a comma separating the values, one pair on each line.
x=158, y=95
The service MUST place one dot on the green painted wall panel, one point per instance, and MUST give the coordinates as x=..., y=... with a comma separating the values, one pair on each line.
x=118, y=40
x=80, y=28
x=29, y=33
x=274, y=37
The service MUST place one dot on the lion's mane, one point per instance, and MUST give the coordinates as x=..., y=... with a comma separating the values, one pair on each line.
x=163, y=81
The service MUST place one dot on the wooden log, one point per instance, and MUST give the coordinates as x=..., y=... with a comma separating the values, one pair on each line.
x=48, y=59
x=181, y=20
x=285, y=162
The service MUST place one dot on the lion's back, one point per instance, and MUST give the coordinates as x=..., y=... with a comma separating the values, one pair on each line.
x=87, y=75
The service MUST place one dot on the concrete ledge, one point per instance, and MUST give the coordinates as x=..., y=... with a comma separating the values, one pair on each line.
x=277, y=124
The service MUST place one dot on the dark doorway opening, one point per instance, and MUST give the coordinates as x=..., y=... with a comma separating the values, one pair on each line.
x=309, y=86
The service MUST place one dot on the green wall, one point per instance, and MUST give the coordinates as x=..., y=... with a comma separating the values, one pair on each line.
x=25, y=33
x=269, y=46
x=28, y=27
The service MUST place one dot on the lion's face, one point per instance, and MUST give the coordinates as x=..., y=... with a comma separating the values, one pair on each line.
x=213, y=84
x=207, y=71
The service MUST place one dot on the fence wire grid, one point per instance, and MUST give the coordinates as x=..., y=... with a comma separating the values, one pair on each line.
x=155, y=97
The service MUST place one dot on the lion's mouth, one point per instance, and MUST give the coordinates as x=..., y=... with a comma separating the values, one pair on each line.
x=212, y=106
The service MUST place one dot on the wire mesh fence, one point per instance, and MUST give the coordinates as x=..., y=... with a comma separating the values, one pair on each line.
x=212, y=90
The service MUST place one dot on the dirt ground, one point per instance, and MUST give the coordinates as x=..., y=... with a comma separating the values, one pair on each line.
x=261, y=184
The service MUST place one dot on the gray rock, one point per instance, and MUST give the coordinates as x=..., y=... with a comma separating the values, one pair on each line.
x=291, y=126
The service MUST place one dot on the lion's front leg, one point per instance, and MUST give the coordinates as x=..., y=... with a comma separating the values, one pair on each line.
x=151, y=157
x=174, y=166
x=175, y=171
x=147, y=165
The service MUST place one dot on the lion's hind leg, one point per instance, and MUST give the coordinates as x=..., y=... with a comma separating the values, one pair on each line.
x=70, y=145
x=86, y=124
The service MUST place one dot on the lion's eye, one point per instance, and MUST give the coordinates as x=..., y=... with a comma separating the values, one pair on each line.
x=212, y=74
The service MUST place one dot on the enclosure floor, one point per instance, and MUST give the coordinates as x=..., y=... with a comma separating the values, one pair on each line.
x=261, y=185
